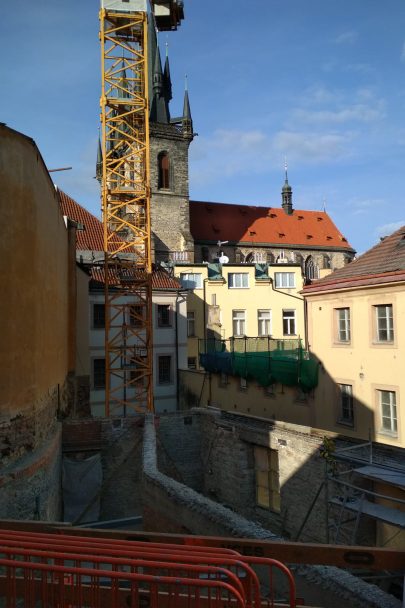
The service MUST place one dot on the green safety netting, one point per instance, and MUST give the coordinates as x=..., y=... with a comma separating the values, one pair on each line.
x=265, y=360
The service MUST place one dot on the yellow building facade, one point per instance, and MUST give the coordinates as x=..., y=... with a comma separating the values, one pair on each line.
x=237, y=300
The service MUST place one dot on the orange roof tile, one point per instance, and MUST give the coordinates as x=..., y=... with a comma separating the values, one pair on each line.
x=383, y=263
x=92, y=237
x=264, y=225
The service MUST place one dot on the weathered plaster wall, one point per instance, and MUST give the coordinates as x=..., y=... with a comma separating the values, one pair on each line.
x=34, y=313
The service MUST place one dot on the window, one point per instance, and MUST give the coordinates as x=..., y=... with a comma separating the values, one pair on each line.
x=191, y=280
x=98, y=316
x=384, y=323
x=190, y=324
x=238, y=322
x=311, y=269
x=163, y=171
x=285, y=280
x=264, y=322
x=238, y=280
x=136, y=315
x=99, y=374
x=192, y=362
x=243, y=384
x=346, y=414
x=343, y=324
x=164, y=319
x=267, y=478
x=388, y=409
x=289, y=323
x=165, y=369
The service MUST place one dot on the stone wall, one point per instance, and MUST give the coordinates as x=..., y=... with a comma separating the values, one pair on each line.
x=170, y=506
x=239, y=254
x=30, y=486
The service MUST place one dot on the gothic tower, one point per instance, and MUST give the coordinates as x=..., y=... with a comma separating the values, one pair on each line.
x=170, y=139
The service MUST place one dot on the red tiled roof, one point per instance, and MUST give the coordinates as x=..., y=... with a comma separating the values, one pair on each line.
x=242, y=223
x=383, y=263
x=92, y=237
x=160, y=278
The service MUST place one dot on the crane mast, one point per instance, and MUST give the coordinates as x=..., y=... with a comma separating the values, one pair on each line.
x=125, y=193
x=126, y=207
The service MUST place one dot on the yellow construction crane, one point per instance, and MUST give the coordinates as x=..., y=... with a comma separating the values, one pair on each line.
x=125, y=183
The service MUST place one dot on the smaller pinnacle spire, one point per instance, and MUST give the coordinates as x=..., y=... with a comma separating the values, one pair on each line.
x=187, y=120
x=286, y=192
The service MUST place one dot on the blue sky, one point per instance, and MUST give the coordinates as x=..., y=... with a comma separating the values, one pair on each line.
x=321, y=82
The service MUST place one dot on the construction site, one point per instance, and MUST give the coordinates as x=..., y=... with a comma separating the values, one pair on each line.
x=131, y=496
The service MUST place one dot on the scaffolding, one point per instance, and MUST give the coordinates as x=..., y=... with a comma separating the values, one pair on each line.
x=264, y=359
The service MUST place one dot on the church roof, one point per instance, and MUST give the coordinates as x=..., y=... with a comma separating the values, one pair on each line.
x=212, y=222
x=383, y=263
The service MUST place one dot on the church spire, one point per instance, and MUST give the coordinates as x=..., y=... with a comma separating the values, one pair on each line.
x=167, y=81
x=187, y=120
x=286, y=194
x=160, y=108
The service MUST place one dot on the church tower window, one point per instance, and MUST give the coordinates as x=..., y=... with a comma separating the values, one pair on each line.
x=163, y=171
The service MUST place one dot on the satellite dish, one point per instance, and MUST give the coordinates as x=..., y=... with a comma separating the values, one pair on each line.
x=223, y=259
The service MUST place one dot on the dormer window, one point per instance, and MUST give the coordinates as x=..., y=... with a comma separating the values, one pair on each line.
x=163, y=171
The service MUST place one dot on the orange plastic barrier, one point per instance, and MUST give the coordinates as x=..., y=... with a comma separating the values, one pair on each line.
x=71, y=571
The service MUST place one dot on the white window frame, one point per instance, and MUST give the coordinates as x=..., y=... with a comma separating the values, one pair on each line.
x=343, y=328
x=190, y=323
x=243, y=384
x=285, y=280
x=238, y=323
x=291, y=321
x=389, y=422
x=264, y=322
x=238, y=280
x=191, y=280
x=346, y=409
x=384, y=323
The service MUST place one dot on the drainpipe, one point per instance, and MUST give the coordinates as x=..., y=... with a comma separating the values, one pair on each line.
x=205, y=337
x=176, y=330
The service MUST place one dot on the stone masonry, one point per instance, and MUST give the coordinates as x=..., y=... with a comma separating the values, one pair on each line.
x=170, y=215
x=171, y=506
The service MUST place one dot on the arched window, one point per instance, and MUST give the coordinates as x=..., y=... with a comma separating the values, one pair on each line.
x=311, y=269
x=250, y=258
x=269, y=257
x=326, y=261
x=163, y=171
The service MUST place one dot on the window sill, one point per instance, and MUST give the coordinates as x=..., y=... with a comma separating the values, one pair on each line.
x=342, y=343
x=346, y=423
x=391, y=434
